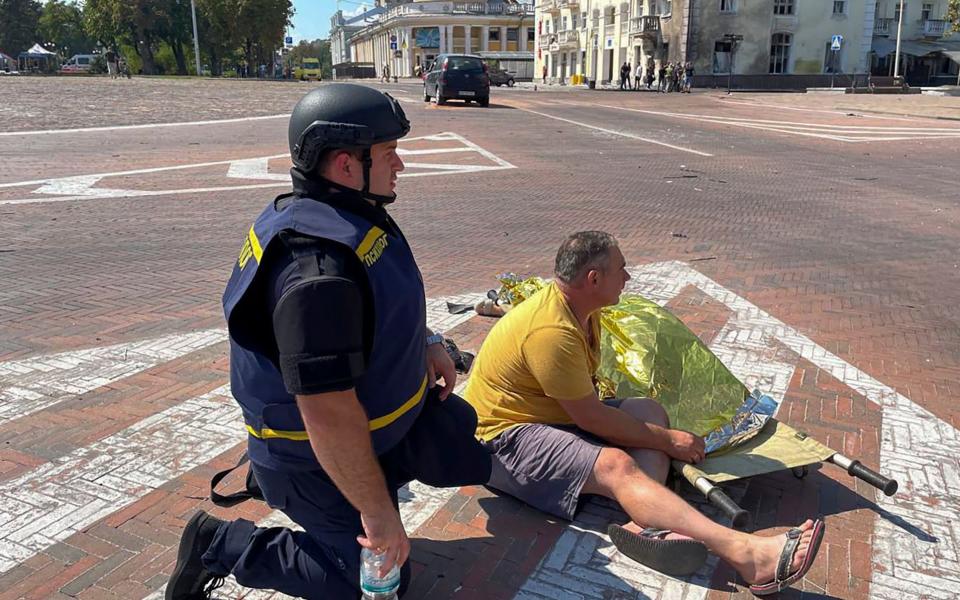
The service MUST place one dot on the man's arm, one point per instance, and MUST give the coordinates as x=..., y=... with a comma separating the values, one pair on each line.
x=622, y=429
x=340, y=437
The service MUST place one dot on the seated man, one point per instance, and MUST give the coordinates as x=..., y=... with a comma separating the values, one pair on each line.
x=553, y=440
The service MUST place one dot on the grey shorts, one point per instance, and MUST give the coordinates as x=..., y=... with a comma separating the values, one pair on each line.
x=545, y=466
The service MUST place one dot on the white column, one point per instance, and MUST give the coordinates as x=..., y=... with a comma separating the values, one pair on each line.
x=467, y=39
x=485, y=38
x=409, y=52
x=443, y=39
x=503, y=39
x=450, y=38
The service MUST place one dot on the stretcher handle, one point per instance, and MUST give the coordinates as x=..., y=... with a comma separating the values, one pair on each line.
x=856, y=469
x=887, y=485
x=739, y=518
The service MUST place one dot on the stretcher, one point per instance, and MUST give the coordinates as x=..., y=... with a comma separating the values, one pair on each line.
x=646, y=351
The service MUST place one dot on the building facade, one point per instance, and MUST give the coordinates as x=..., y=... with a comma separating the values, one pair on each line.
x=776, y=37
x=411, y=34
x=929, y=52
x=343, y=28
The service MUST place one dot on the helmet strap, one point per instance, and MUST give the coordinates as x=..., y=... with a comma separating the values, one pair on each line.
x=367, y=159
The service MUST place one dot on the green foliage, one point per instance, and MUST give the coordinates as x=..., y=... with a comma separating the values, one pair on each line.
x=18, y=25
x=61, y=23
x=953, y=14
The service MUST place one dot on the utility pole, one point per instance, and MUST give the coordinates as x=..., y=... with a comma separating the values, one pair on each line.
x=896, y=60
x=732, y=39
x=196, y=42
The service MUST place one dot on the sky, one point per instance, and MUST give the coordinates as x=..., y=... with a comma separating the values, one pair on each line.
x=312, y=19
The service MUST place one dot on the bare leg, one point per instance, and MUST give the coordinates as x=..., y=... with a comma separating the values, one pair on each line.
x=623, y=477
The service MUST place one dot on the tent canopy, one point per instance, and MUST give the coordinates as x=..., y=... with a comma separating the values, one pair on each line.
x=37, y=51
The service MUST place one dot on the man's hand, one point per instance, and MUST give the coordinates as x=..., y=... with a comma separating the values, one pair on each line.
x=385, y=535
x=685, y=446
x=440, y=363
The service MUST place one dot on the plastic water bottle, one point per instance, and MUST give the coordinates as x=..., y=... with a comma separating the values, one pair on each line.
x=372, y=585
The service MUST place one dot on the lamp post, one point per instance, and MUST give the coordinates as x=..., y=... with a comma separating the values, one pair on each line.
x=196, y=43
x=732, y=39
x=896, y=60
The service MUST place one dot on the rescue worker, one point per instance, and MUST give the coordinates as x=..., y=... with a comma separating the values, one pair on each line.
x=333, y=366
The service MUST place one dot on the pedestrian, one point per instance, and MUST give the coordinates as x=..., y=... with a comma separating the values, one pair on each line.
x=638, y=77
x=662, y=78
x=624, y=75
x=334, y=367
x=649, y=75
x=677, y=76
x=687, y=76
x=544, y=71
x=669, y=75
x=385, y=73
x=111, y=58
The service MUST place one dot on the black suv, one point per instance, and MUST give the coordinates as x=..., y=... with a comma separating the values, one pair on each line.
x=457, y=76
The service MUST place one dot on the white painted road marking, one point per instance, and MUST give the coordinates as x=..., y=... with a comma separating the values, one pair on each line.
x=618, y=133
x=141, y=126
x=839, y=133
x=33, y=384
x=82, y=187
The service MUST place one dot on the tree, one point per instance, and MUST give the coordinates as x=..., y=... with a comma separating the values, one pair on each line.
x=316, y=49
x=18, y=25
x=953, y=14
x=61, y=23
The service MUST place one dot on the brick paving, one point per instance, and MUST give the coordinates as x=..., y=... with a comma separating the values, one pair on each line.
x=819, y=268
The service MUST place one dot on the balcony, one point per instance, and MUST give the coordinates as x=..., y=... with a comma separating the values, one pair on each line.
x=648, y=26
x=551, y=6
x=884, y=26
x=934, y=28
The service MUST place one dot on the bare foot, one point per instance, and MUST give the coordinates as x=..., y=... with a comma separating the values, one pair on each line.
x=763, y=553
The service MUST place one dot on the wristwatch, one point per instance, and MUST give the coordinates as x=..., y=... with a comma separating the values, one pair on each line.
x=436, y=338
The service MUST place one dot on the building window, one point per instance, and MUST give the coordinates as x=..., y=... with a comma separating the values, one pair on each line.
x=513, y=34
x=783, y=7
x=779, y=52
x=839, y=7
x=721, y=57
x=564, y=23
x=531, y=35
x=494, y=34
x=925, y=13
x=728, y=6
x=832, y=61
x=896, y=10
x=573, y=20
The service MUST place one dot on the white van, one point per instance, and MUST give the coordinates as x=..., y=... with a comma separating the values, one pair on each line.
x=78, y=63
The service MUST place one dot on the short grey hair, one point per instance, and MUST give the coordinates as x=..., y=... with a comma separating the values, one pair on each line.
x=581, y=252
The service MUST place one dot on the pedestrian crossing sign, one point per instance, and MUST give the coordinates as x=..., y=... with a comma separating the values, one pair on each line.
x=836, y=42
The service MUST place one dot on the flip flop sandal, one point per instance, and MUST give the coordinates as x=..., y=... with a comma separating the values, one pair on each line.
x=649, y=548
x=784, y=578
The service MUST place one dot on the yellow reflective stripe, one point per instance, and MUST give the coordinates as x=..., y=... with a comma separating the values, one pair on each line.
x=255, y=245
x=368, y=240
x=381, y=422
x=267, y=433
x=378, y=423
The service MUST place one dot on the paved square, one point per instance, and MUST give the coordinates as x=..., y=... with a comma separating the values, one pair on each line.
x=812, y=244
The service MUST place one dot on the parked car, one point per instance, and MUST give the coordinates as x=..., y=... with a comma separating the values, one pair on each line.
x=78, y=63
x=457, y=76
x=500, y=77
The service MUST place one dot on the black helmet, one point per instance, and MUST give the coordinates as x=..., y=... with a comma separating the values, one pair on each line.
x=344, y=116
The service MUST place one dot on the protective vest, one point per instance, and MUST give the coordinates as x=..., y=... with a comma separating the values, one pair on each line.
x=393, y=386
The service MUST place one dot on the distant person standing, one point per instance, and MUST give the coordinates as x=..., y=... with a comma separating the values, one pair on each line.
x=111, y=58
x=662, y=78
x=624, y=75
x=668, y=74
x=638, y=77
x=544, y=71
x=687, y=76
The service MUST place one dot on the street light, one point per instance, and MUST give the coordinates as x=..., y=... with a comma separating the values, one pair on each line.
x=732, y=39
x=896, y=60
x=196, y=43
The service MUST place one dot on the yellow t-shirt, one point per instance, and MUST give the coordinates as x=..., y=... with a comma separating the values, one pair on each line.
x=535, y=355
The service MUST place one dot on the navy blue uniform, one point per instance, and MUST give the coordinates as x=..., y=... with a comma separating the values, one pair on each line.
x=414, y=434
